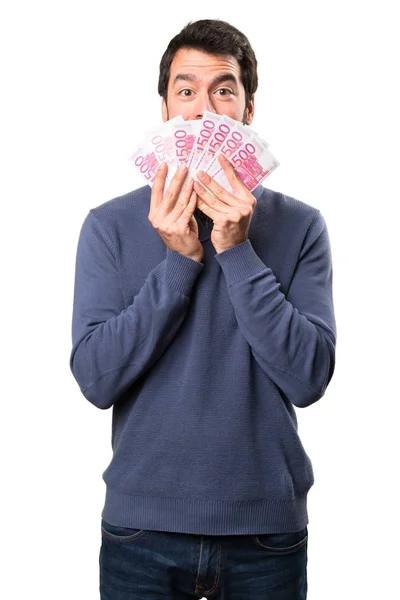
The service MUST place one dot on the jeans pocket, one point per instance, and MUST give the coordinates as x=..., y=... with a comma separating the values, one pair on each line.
x=121, y=534
x=281, y=543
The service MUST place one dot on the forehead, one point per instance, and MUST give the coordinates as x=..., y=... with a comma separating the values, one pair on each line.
x=203, y=64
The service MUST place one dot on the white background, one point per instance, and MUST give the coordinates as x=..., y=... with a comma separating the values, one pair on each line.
x=79, y=86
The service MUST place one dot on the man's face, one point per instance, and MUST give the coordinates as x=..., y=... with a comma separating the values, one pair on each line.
x=200, y=81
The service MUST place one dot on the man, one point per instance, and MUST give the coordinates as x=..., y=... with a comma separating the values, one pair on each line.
x=203, y=318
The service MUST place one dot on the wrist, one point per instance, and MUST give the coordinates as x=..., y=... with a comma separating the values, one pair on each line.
x=196, y=257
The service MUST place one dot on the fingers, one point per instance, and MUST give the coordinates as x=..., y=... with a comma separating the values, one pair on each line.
x=176, y=195
x=157, y=189
x=207, y=203
x=229, y=170
x=207, y=185
x=216, y=199
x=190, y=207
x=171, y=194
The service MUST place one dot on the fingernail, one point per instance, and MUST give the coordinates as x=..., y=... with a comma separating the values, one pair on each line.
x=201, y=174
x=183, y=167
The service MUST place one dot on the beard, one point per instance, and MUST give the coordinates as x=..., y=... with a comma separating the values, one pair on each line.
x=243, y=119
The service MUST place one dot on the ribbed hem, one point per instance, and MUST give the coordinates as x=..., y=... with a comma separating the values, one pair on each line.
x=205, y=517
x=240, y=262
x=180, y=272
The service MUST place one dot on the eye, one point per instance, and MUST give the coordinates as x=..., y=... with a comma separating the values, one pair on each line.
x=184, y=94
x=226, y=92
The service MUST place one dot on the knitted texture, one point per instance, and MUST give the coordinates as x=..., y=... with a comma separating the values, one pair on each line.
x=203, y=364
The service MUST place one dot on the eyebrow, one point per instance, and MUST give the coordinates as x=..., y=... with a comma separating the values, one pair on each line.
x=219, y=79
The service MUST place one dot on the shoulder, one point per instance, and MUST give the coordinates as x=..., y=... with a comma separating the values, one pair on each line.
x=125, y=215
x=282, y=206
x=286, y=218
x=121, y=206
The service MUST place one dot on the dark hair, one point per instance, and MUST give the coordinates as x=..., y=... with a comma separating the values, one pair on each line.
x=215, y=37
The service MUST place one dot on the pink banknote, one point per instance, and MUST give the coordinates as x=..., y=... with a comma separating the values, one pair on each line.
x=234, y=140
x=198, y=143
x=184, y=135
x=253, y=162
x=145, y=162
x=207, y=126
x=223, y=126
x=161, y=141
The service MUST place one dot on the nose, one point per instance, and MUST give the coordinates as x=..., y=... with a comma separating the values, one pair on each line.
x=203, y=103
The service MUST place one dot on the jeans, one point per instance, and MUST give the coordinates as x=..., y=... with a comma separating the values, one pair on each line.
x=141, y=564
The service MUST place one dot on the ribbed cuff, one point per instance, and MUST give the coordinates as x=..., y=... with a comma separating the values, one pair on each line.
x=181, y=272
x=240, y=262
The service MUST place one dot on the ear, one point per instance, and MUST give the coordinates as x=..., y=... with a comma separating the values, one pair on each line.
x=164, y=110
x=250, y=111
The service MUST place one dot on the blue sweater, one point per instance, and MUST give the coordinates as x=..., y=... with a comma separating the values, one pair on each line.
x=203, y=364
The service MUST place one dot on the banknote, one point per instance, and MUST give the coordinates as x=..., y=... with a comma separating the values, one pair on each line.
x=252, y=161
x=145, y=162
x=198, y=143
x=223, y=126
x=157, y=147
x=161, y=141
x=206, y=129
x=184, y=136
x=236, y=138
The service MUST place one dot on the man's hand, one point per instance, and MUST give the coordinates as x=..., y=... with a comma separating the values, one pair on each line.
x=171, y=213
x=231, y=213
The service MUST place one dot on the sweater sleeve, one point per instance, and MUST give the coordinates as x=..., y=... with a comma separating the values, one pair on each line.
x=113, y=345
x=292, y=337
